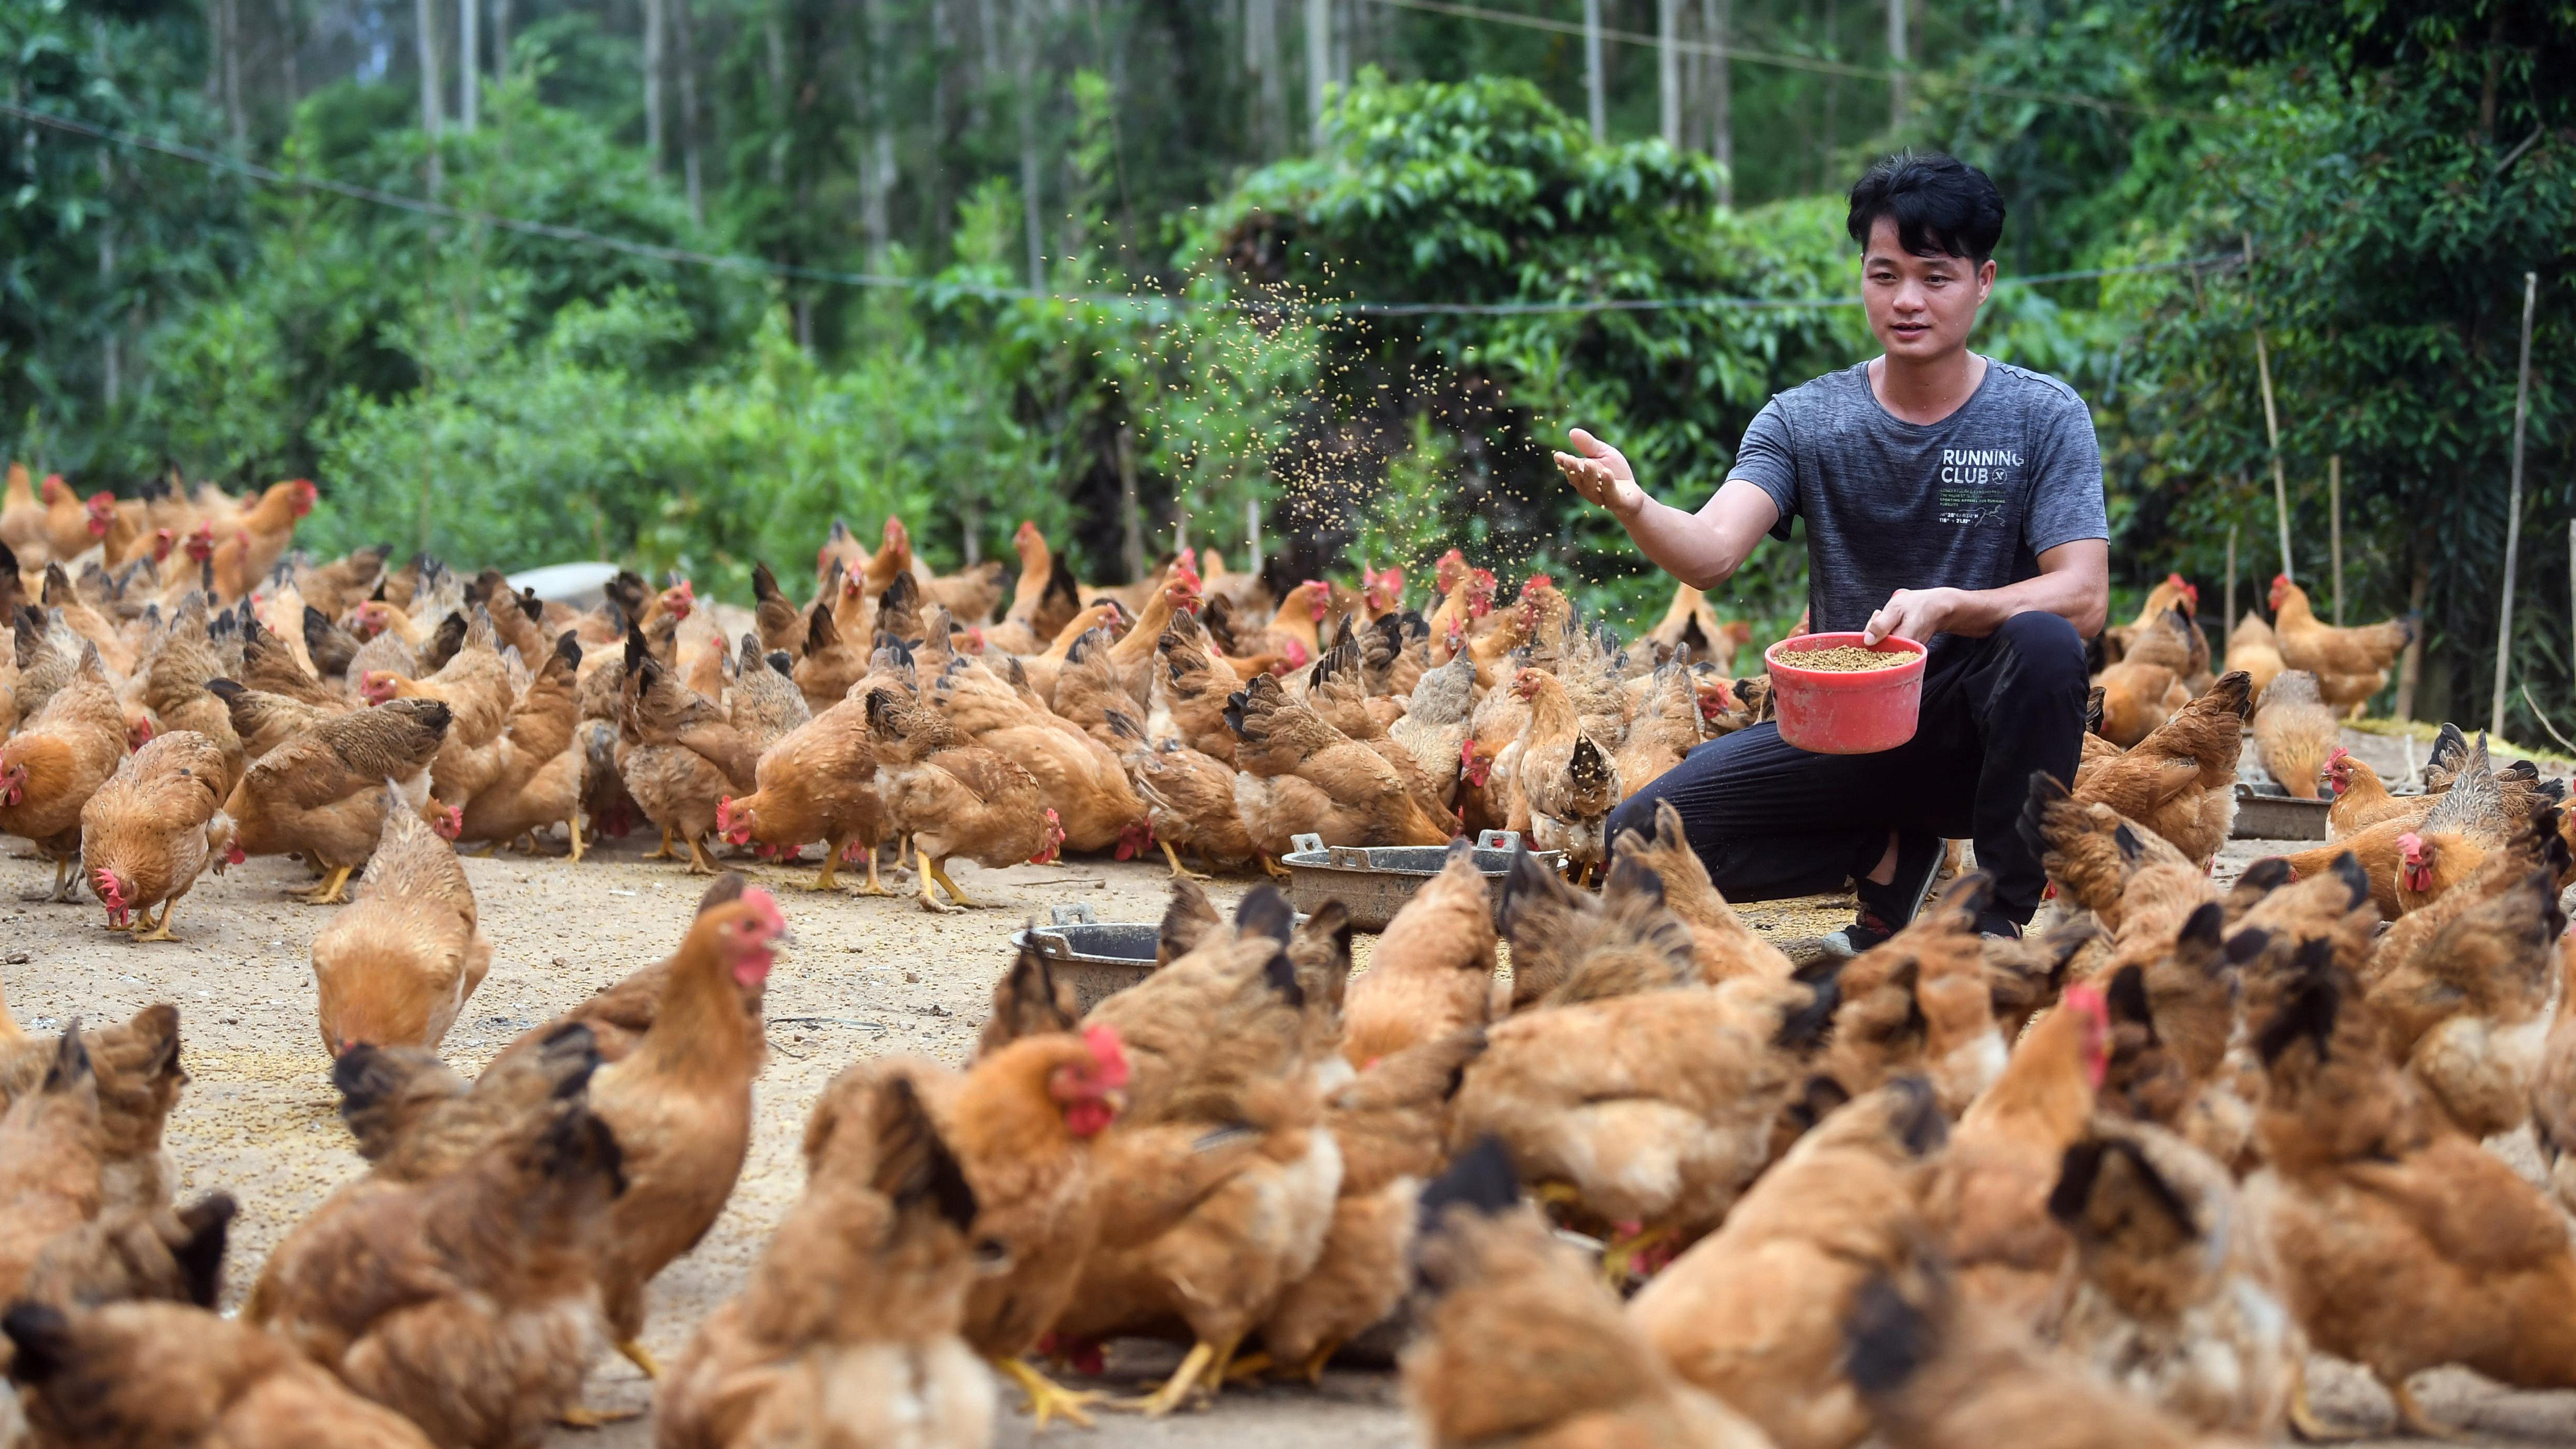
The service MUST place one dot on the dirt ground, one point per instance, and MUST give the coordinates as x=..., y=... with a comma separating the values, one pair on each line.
x=863, y=977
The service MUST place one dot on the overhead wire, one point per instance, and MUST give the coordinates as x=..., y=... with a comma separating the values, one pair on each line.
x=762, y=266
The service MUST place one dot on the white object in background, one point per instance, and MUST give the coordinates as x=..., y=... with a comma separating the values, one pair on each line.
x=579, y=584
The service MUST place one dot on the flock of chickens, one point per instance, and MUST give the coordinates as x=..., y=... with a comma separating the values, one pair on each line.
x=2108, y=1184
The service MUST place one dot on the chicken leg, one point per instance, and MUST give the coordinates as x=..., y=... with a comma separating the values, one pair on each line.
x=939, y=869
x=1275, y=870
x=874, y=887
x=665, y=852
x=1205, y=1367
x=1178, y=870
x=59, y=894
x=2412, y=1420
x=1047, y=1398
x=572, y=832
x=700, y=863
x=929, y=874
x=634, y=1352
x=832, y=848
x=161, y=928
x=334, y=889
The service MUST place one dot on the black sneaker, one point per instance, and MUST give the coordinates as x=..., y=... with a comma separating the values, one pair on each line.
x=2002, y=927
x=1885, y=909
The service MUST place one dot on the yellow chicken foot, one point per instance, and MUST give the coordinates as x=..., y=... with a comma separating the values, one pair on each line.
x=1204, y=1368
x=939, y=872
x=161, y=928
x=700, y=863
x=931, y=902
x=666, y=852
x=1314, y=1365
x=486, y=852
x=1047, y=1398
x=823, y=880
x=572, y=832
x=874, y=887
x=1558, y=1194
x=1249, y=1367
x=1275, y=870
x=2411, y=1418
x=334, y=888
x=634, y=1352
x=1620, y=1253
x=62, y=872
x=1178, y=870
x=579, y=1417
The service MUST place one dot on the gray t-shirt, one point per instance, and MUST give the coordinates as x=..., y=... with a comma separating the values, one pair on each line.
x=1969, y=502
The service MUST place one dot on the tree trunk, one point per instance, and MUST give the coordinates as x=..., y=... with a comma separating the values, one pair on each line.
x=1131, y=509
x=432, y=121
x=1668, y=68
x=1896, y=62
x=1252, y=535
x=1319, y=67
x=469, y=66
x=287, y=44
x=108, y=360
x=2410, y=665
x=1714, y=17
x=1025, y=101
x=501, y=39
x=236, y=120
x=685, y=59
x=876, y=161
x=652, y=83
x=782, y=109
x=1595, y=103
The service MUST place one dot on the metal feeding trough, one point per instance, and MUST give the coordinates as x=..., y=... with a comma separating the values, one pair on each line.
x=1100, y=959
x=2278, y=817
x=1374, y=881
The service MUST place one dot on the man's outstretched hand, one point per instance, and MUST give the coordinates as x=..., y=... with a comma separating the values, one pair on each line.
x=1602, y=476
x=1915, y=614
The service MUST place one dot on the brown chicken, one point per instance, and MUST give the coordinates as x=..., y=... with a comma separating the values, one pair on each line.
x=1940, y=1370
x=1220, y=1180
x=1753, y=1313
x=1078, y=776
x=1920, y=1004
x=1042, y=598
x=2175, y=592
x=1568, y=779
x=679, y=753
x=1666, y=727
x=2470, y=821
x=395, y=968
x=1189, y=689
x=1189, y=798
x=2254, y=650
x=324, y=793
x=52, y=1159
x=136, y=1066
x=847, y=1332
x=1644, y=1113
x=173, y=1376
x=1436, y=723
x=2553, y=1087
x=1721, y=943
x=819, y=782
x=2468, y=1012
x=540, y=773
x=2167, y=1294
x=679, y=1104
x=954, y=799
x=2180, y=781
x=2294, y=733
x=2361, y=799
x=1519, y=1345
x=467, y=1302
x=1294, y=632
x=2144, y=689
x=57, y=760
x=475, y=685
x=1988, y=1203
x=2350, y=664
x=1432, y=971
x=153, y=828
x=1302, y=776
x=2403, y=1244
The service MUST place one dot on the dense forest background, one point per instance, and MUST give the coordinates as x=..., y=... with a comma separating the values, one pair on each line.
x=681, y=281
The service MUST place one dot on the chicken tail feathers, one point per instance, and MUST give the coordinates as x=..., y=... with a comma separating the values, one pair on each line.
x=1480, y=1180
x=1886, y=1339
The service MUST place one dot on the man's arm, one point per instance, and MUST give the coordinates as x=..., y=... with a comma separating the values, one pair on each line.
x=1702, y=549
x=2074, y=583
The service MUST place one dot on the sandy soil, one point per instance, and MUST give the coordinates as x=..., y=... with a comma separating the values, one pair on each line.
x=863, y=977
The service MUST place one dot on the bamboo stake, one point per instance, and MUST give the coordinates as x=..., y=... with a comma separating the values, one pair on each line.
x=2272, y=433
x=2334, y=527
x=2229, y=623
x=2513, y=507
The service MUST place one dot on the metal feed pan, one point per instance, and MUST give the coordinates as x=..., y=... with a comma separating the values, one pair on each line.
x=1101, y=959
x=1374, y=881
x=2278, y=817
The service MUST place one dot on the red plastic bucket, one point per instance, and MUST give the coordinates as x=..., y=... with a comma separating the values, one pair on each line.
x=1857, y=713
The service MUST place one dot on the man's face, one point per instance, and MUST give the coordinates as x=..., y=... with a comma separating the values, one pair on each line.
x=1919, y=307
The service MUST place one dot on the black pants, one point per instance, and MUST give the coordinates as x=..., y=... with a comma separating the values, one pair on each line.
x=1771, y=820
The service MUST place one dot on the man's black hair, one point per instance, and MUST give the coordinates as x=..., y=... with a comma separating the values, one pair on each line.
x=1940, y=204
